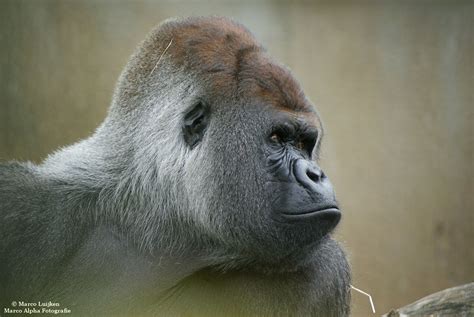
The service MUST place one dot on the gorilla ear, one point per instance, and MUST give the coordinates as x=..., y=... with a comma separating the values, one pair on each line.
x=195, y=124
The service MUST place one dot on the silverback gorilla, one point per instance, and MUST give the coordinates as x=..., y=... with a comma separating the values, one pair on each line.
x=199, y=195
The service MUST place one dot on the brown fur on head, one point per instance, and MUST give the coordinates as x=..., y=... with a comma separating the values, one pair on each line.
x=220, y=50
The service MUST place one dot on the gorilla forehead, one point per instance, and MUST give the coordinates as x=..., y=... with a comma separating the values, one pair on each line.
x=226, y=58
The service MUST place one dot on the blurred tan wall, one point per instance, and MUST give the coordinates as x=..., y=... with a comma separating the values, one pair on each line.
x=392, y=80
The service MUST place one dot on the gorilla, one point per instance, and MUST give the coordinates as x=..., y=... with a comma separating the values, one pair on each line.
x=199, y=195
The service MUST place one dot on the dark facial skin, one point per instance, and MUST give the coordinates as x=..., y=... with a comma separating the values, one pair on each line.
x=303, y=192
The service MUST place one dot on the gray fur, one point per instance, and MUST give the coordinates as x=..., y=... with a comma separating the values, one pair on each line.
x=132, y=221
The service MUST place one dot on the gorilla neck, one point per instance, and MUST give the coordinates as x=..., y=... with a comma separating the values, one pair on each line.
x=182, y=285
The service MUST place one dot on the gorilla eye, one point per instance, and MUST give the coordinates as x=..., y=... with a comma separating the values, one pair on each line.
x=300, y=145
x=307, y=142
x=282, y=134
x=275, y=138
x=195, y=124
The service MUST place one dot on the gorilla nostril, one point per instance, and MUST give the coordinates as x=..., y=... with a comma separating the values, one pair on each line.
x=314, y=176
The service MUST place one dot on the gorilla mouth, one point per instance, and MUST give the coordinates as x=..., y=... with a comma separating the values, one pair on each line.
x=328, y=211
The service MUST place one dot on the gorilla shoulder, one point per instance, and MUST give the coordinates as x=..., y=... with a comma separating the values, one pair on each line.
x=19, y=189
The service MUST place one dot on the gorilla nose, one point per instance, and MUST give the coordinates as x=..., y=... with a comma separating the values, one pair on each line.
x=308, y=173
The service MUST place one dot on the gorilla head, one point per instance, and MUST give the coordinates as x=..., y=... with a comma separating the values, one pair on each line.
x=220, y=144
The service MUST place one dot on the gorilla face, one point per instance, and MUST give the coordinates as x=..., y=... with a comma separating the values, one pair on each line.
x=265, y=193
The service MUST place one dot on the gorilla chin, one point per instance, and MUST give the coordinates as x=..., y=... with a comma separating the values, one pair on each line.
x=199, y=195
